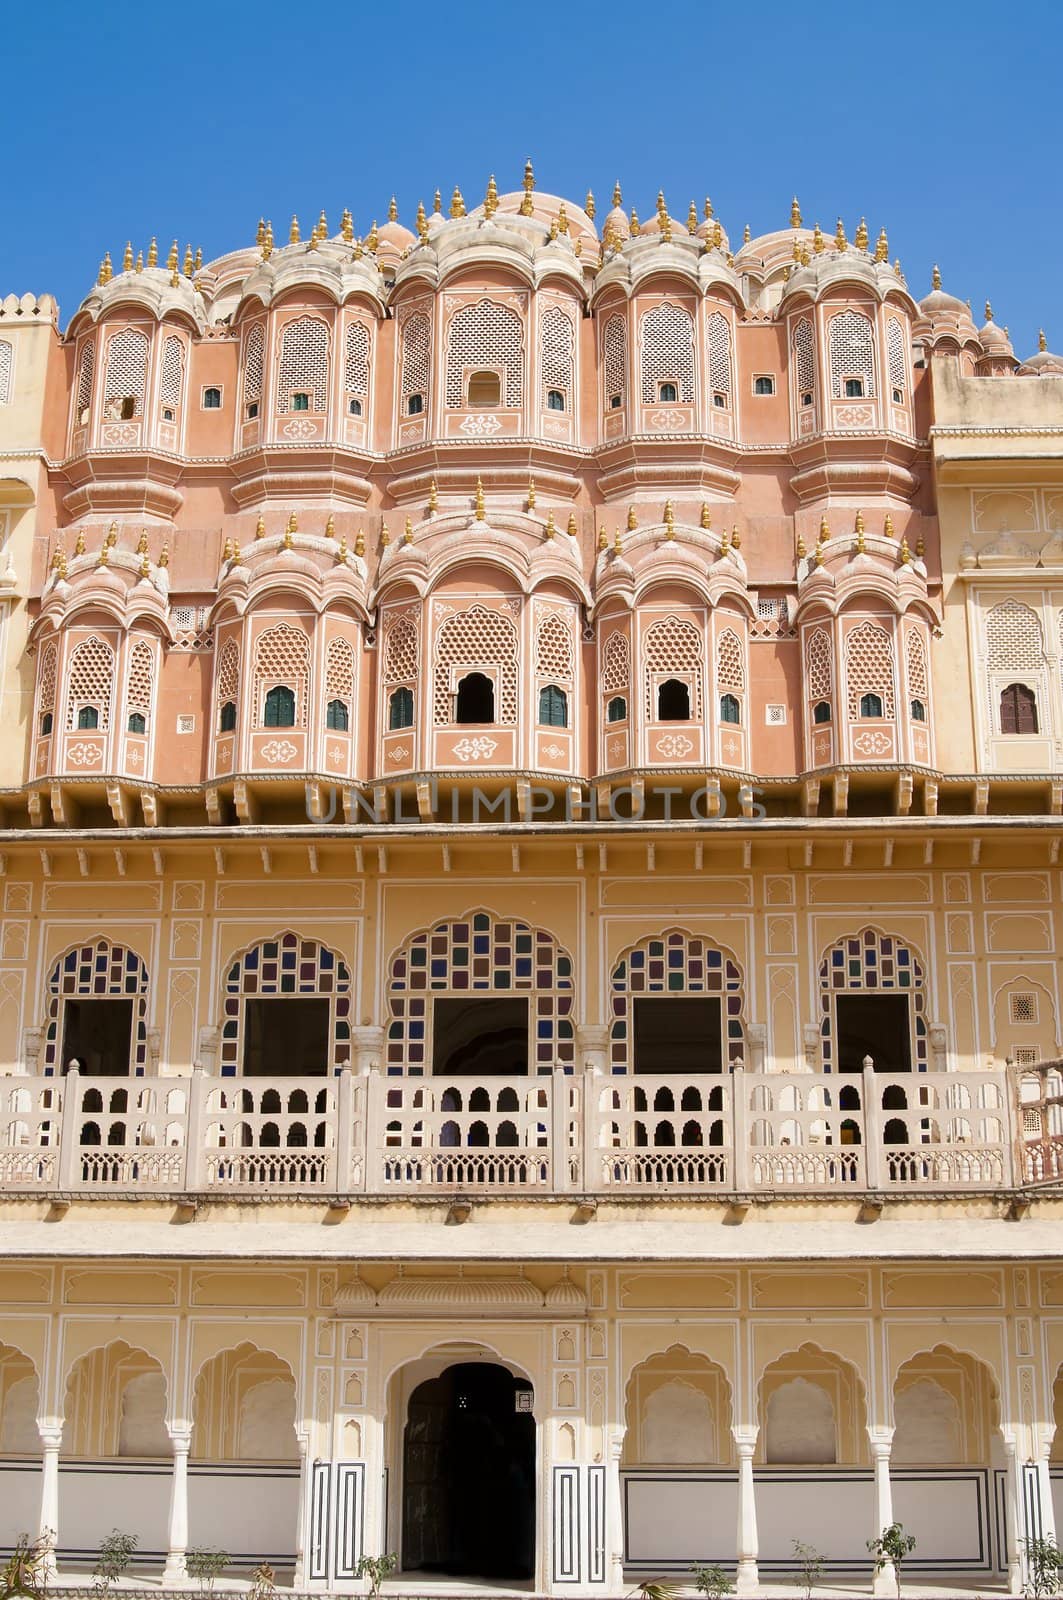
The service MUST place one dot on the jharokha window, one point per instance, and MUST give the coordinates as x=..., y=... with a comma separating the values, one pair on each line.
x=1018, y=709
x=287, y=1010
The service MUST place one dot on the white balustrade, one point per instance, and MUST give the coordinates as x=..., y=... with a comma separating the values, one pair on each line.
x=472, y=1133
x=29, y=1133
x=263, y=1132
x=124, y=1132
x=663, y=1132
x=941, y=1129
x=805, y=1130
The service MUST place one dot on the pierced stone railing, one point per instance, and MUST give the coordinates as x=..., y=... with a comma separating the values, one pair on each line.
x=662, y=1132
x=1039, y=1141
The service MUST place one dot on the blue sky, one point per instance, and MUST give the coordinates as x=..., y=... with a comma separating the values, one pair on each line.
x=122, y=121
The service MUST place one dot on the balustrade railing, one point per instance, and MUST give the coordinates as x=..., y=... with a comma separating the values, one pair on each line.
x=586, y=1133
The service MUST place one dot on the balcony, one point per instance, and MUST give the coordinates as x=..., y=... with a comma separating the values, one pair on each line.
x=742, y=1134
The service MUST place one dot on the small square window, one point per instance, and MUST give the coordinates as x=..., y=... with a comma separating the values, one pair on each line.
x=614, y=402
x=354, y=407
x=1023, y=1007
x=186, y=723
x=719, y=400
x=775, y=716
x=252, y=411
x=806, y=398
x=167, y=413
x=898, y=396
x=415, y=405
x=764, y=383
x=854, y=388
x=300, y=402
x=667, y=393
x=212, y=399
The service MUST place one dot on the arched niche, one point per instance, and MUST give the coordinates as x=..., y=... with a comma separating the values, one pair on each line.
x=244, y=1408
x=945, y=1401
x=115, y=1405
x=812, y=1411
x=677, y=1412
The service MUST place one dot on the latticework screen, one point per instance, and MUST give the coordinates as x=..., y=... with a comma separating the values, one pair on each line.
x=90, y=680
x=356, y=363
x=851, y=342
x=895, y=353
x=127, y=368
x=7, y=367
x=869, y=667
x=614, y=352
x=172, y=369
x=86, y=371
x=557, y=344
x=282, y=656
x=228, y=673
x=667, y=351
x=254, y=359
x=719, y=354
x=818, y=665
x=918, y=678
x=304, y=363
x=141, y=678
x=46, y=679
x=416, y=354
x=554, y=657
x=730, y=662
x=400, y=651
x=674, y=646
x=339, y=670
x=805, y=357
x=616, y=663
x=485, y=335
x=475, y=639
x=1014, y=638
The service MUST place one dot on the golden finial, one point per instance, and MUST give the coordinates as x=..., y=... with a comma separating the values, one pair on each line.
x=267, y=243
x=618, y=198
x=882, y=246
x=635, y=225
x=479, y=500
x=840, y=241
x=553, y=228
x=531, y=494
x=550, y=529
x=1042, y=342
x=666, y=229
x=920, y=546
x=603, y=538
x=457, y=204
x=289, y=531
x=357, y=253
x=347, y=227
x=935, y=277
x=632, y=519
x=103, y=557
x=736, y=538
x=692, y=218
x=359, y=543
x=433, y=496
x=112, y=535
x=746, y=234
x=725, y=543
x=491, y=197
x=988, y=312
x=819, y=555
x=393, y=210
x=669, y=520
x=260, y=527
x=806, y=256
x=730, y=258
x=227, y=552
x=708, y=209
x=260, y=232
x=140, y=262
x=142, y=542
x=153, y=252
x=795, y=213
x=171, y=259
x=330, y=527
x=589, y=206
x=801, y=551
x=407, y=532
x=164, y=556
x=858, y=525
x=717, y=235
x=54, y=562
x=601, y=250
x=859, y=533
x=577, y=248
x=79, y=543
x=293, y=232
x=573, y=527
x=198, y=262
x=887, y=526
x=860, y=238
x=106, y=271
x=60, y=566
x=127, y=257
x=786, y=274
x=795, y=253
x=422, y=221
x=819, y=244
x=706, y=515
x=385, y=534
x=437, y=204
x=527, y=184
x=662, y=209
x=906, y=554
x=617, y=546
x=341, y=553
x=824, y=529
x=372, y=238
x=189, y=262
x=562, y=218
x=897, y=267
x=322, y=225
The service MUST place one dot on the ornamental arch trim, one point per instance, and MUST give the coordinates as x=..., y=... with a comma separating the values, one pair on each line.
x=289, y=964
x=873, y=962
x=680, y=963
x=97, y=970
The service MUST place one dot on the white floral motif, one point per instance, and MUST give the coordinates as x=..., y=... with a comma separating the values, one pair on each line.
x=335, y=753
x=731, y=747
x=873, y=744
x=278, y=750
x=84, y=755
x=300, y=429
x=479, y=426
x=854, y=416
x=674, y=744
x=554, y=751
x=669, y=421
x=478, y=749
x=135, y=758
x=616, y=749
x=398, y=752
x=123, y=433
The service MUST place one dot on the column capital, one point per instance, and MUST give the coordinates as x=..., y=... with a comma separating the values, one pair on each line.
x=592, y=1035
x=51, y=1431
x=880, y=1439
x=745, y=1437
x=180, y=1436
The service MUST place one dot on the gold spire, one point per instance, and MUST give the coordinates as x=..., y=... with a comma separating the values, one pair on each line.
x=717, y=235
x=79, y=543
x=437, y=204
x=920, y=546
x=393, y=210
x=635, y=224
x=746, y=235
x=289, y=532
x=60, y=564
x=819, y=244
x=882, y=246
x=617, y=546
x=725, y=543
x=127, y=257
x=550, y=530
x=171, y=259
x=347, y=227
x=322, y=225
x=227, y=551
x=666, y=229
x=140, y=262
x=861, y=237
x=632, y=519
x=103, y=557
x=897, y=266
x=198, y=262
x=819, y=555
x=1042, y=342
x=692, y=218
x=106, y=271
x=708, y=209
x=342, y=552
x=142, y=542
x=189, y=262
x=669, y=520
x=153, y=252
x=577, y=248
x=260, y=232
x=801, y=551
x=372, y=238
x=589, y=206
x=531, y=494
x=293, y=232
x=385, y=534
x=988, y=312
x=562, y=218
x=479, y=500
x=267, y=243
x=840, y=241
x=422, y=221
x=662, y=208
x=433, y=496
x=906, y=554
x=824, y=529
x=491, y=197
x=457, y=204
x=603, y=538
x=359, y=543
x=706, y=515
x=407, y=532
x=553, y=227
x=260, y=527
x=736, y=538
x=859, y=526
x=618, y=198
x=112, y=535
x=887, y=526
x=330, y=527
x=935, y=277
x=573, y=527
x=527, y=184
x=795, y=254
x=795, y=213
x=164, y=556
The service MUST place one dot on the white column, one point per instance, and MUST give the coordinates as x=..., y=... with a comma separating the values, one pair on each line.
x=1044, y=1438
x=614, y=1513
x=881, y=1441
x=592, y=1042
x=747, y=1579
x=1017, y=1520
x=175, y=1570
x=51, y=1432
x=303, y=1523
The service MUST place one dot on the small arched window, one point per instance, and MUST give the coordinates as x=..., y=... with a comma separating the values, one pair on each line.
x=821, y=711
x=337, y=716
x=415, y=405
x=227, y=717
x=137, y=723
x=279, y=709
x=871, y=705
x=918, y=711
x=400, y=709
x=485, y=389
x=476, y=699
x=616, y=710
x=673, y=701
x=1018, y=709
x=553, y=706
x=667, y=392
x=89, y=717
x=730, y=710
x=354, y=407
x=46, y=724
x=212, y=399
x=555, y=400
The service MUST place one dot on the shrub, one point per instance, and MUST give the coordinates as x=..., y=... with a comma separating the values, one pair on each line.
x=376, y=1569
x=206, y=1565
x=114, y=1556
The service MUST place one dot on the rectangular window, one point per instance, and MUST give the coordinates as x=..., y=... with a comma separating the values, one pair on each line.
x=763, y=383
x=874, y=1025
x=679, y=1034
x=97, y=1035
x=479, y=1036
x=853, y=388
x=286, y=1037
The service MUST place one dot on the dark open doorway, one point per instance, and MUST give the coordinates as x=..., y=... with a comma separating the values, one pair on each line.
x=680, y=1034
x=97, y=1035
x=480, y=1036
x=468, y=1488
x=286, y=1037
x=874, y=1025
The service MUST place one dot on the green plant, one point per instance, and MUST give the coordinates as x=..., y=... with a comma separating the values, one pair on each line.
x=263, y=1583
x=114, y=1556
x=1044, y=1562
x=893, y=1546
x=206, y=1565
x=656, y=1589
x=712, y=1582
x=25, y=1572
x=809, y=1566
x=376, y=1569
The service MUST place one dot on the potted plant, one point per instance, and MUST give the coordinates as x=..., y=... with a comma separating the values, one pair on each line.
x=1044, y=1560
x=712, y=1582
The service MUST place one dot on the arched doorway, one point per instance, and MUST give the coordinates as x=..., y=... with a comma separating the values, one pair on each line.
x=468, y=1502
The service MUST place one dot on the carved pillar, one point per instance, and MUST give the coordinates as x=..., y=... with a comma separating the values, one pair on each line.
x=881, y=1441
x=592, y=1043
x=614, y=1513
x=1016, y=1521
x=176, y=1570
x=303, y=1520
x=368, y=1043
x=51, y=1432
x=747, y=1577
x=1043, y=1438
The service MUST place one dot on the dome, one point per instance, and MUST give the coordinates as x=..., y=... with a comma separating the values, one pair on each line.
x=939, y=307
x=616, y=224
x=393, y=236
x=353, y=1297
x=995, y=341
x=1044, y=364
x=566, y=1296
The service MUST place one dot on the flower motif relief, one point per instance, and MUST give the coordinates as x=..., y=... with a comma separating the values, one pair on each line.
x=674, y=745
x=135, y=758
x=854, y=416
x=554, y=751
x=616, y=749
x=121, y=433
x=335, y=753
x=83, y=754
x=873, y=744
x=299, y=428
x=479, y=749
x=278, y=750
x=731, y=747
x=398, y=752
x=668, y=421
x=480, y=426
